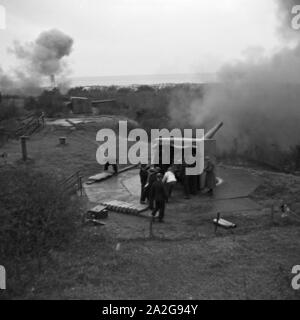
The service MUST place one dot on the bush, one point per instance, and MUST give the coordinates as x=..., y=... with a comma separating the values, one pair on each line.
x=52, y=102
x=36, y=217
x=8, y=111
x=31, y=104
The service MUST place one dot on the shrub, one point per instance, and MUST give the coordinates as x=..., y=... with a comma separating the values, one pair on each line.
x=36, y=217
x=31, y=104
x=52, y=102
x=8, y=111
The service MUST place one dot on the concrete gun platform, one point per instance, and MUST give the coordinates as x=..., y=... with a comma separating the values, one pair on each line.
x=183, y=217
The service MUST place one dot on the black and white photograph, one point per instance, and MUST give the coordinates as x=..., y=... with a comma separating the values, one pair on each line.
x=149, y=152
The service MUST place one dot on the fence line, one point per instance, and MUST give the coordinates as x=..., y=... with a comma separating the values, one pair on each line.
x=73, y=183
x=31, y=126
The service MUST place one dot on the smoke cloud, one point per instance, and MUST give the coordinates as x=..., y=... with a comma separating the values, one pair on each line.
x=258, y=98
x=39, y=60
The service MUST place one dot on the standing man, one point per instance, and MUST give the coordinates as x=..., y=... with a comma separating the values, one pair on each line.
x=143, y=179
x=170, y=180
x=185, y=181
x=159, y=195
x=150, y=180
x=210, y=179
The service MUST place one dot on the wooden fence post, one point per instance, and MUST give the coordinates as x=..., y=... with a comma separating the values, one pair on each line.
x=24, y=147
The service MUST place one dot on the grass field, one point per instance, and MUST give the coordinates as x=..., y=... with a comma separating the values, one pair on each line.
x=45, y=152
x=254, y=263
x=250, y=266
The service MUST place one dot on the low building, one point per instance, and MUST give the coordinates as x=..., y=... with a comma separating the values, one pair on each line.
x=101, y=107
x=80, y=105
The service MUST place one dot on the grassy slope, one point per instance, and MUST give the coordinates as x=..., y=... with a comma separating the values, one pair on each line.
x=46, y=153
x=252, y=266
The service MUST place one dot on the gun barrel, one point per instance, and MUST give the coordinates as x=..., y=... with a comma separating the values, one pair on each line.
x=212, y=132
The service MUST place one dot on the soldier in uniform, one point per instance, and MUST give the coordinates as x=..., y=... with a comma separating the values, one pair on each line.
x=143, y=178
x=210, y=179
x=159, y=196
x=150, y=180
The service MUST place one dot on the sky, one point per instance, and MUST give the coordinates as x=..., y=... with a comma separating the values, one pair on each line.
x=136, y=37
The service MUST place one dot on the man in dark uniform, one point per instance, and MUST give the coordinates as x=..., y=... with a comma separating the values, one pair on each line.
x=159, y=195
x=210, y=179
x=193, y=182
x=143, y=179
x=185, y=181
x=150, y=180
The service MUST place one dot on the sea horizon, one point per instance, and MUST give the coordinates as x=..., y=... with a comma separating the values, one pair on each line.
x=146, y=79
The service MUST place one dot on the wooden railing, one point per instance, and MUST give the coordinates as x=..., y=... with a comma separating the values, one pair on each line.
x=31, y=124
x=73, y=183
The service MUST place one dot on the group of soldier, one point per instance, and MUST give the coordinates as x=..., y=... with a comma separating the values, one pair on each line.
x=157, y=183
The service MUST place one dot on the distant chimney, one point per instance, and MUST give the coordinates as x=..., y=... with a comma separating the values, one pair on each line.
x=53, y=83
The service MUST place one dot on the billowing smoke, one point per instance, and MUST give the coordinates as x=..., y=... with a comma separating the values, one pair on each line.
x=40, y=61
x=258, y=98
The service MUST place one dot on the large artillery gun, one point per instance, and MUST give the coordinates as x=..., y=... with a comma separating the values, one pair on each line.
x=212, y=132
x=195, y=182
x=170, y=143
